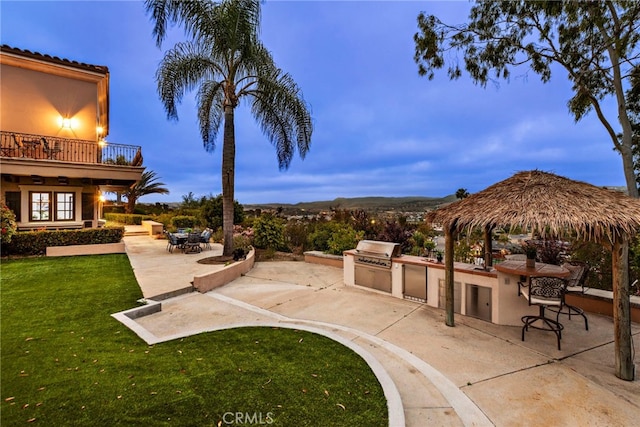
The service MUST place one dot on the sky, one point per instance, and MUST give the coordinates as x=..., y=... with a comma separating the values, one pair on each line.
x=379, y=128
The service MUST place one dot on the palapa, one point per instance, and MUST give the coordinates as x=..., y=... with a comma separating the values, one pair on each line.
x=552, y=205
x=547, y=203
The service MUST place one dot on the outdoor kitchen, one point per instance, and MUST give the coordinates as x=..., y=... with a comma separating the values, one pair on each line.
x=488, y=295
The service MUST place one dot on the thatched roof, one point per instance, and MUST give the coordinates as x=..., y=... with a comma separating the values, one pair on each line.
x=547, y=203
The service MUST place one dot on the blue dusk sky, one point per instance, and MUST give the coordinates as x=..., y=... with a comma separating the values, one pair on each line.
x=379, y=128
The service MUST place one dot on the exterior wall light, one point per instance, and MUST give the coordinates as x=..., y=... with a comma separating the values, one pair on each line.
x=67, y=123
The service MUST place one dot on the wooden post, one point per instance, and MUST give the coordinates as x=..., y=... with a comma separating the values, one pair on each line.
x=448, y=275
x=622, y=311
x=488, y=249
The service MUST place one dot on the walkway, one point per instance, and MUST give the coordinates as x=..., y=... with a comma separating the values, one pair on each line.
x=476, y=373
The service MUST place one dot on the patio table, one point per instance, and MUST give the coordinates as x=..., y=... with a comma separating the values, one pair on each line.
x=181, y=238
x=519, y=268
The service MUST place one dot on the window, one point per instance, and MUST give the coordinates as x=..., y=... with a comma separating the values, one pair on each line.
x=40, y=206
x=64, y=207
x=47, y=206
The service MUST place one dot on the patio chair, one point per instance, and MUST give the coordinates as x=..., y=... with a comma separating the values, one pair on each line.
x=205, y=238
x=574, y=285
x=52, y=151
x=172, y=242
x=544, y=292
x=192, y=244
x=15, y=148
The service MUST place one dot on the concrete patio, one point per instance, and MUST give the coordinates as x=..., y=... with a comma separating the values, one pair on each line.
x=475, y=373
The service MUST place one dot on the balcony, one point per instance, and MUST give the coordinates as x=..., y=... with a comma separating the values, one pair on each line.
x=39, y=147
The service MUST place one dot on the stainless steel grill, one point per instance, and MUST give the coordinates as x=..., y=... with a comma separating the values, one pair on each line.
x=375, y=253
x=373, y=262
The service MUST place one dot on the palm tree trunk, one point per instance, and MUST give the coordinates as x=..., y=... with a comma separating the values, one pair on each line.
x=228, y=173
x=131, y=205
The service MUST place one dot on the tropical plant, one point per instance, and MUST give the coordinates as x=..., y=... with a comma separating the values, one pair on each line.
x=227, y=62
x=148, y=184
x=596, y=42
x=189, y=201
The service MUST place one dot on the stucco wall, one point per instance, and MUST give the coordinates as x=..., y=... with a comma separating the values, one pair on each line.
x=33, y=102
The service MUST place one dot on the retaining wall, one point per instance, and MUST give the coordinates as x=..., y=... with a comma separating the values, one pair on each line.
x=317, y=257
x=206, y=282
x=98, y=249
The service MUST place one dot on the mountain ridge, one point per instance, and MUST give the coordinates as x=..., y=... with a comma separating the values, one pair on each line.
x=370, y=203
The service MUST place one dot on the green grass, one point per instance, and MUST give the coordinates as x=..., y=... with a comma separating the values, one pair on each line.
x=66, y=361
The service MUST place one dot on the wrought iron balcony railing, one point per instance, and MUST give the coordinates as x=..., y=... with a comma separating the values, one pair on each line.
x=22, y=145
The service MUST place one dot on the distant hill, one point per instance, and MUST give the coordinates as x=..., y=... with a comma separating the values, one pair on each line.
x=369, y=204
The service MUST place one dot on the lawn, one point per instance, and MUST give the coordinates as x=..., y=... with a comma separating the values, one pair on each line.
x=66, y=361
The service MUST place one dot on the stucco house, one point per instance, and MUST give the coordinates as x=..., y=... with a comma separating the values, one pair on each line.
x=55, y=160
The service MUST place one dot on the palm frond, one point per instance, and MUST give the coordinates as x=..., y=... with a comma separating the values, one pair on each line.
x=210, y=112
x=283, y=114
x=180, y=71
x=191, y=14
x=148, y=184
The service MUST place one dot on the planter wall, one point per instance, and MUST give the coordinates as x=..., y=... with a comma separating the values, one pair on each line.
x=229, y=273
x=317, y=257
x=73, y=250
x=602, y=304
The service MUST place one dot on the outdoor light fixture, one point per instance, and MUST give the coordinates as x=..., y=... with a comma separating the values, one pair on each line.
x=99, y=130
x=102, y=198
x=67, y=122
x=37, y=179
x=102, y=142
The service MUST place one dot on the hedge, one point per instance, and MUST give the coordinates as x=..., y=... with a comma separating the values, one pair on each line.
x=36, y=242
x=184, y=221
x=127, y=219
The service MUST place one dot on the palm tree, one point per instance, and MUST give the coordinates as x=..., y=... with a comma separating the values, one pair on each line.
x=148, y=184
x=462, y=193
x=227, y=62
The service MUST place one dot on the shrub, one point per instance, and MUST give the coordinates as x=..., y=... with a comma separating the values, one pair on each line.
x=269, y=232
x=217, y=236
x=598, y=259
x=36, y=242
x=296, y=233
x=164, y=219
x=211, y=212
x=397, y=232
x=7, y=222
x=241, y=246
x=318, y=240
x=343, y=238
x=551, y=252
x=184, y=221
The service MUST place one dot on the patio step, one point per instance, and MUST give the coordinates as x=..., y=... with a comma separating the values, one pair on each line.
x=136, y=233
x=135, y=230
